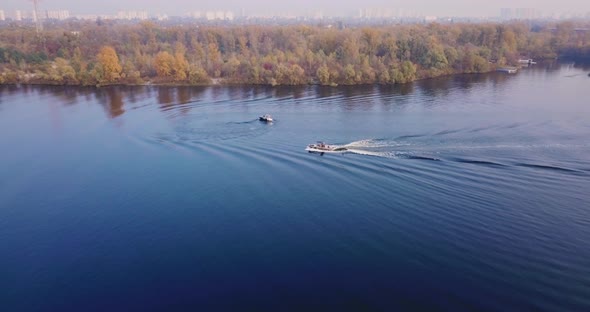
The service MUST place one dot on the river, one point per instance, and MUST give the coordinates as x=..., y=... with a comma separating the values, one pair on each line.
x=467, y=192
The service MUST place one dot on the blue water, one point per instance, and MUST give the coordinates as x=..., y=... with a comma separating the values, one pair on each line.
x=459, y=193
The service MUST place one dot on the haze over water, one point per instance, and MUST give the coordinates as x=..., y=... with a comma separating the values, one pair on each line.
x=460, y=193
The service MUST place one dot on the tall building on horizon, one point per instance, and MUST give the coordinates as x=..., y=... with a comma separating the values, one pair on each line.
x=219, y=15
x=2, y=17
x=58, y=15
x=506, y=14
x=195, y=14
x=378, y=13
x=526, y=13
x=132, y=15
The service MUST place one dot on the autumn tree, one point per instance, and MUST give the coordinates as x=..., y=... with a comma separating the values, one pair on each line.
x=65, y=71
x=180, y=63
x=323, y=74
x=109, y=61
x=164, y=64
x=197, y=75
x=213, y=58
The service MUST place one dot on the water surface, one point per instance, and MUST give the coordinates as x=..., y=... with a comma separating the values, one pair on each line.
x=461, y=193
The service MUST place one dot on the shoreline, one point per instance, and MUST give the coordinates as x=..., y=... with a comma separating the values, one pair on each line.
x=220, y=82
x=227, y=82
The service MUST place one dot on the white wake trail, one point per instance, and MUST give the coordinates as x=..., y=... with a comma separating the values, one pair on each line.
x=370, y=153
x=366, y=147
x=367, y=143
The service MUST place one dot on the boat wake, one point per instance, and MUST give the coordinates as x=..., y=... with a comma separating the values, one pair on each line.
x=367, y=143
x=470, y=154
x=371, y=153
x=242, y=122
x=366, y=147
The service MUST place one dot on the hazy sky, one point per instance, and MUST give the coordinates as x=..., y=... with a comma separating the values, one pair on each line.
x=328, y=7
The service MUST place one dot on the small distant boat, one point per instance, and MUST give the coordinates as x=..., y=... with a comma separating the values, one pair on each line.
x=321, y=148
x=265, y=118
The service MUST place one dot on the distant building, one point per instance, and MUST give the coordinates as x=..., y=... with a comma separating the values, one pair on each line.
x=219, y=15
x=18, y=15
x=142, y=15
x=506, y=14
x=368, y=13
x=526, y=13
x=195, y=14
x=132, y=15
x=318, y=15
x=378, y=13
x=89, y=16
x=430, y=19
x=58, y=15
x=2, y=17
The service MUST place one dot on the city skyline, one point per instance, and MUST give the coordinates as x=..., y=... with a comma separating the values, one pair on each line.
x=458, y=8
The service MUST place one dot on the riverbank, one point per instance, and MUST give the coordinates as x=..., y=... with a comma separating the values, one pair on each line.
x=89, y=54
x=219, y=82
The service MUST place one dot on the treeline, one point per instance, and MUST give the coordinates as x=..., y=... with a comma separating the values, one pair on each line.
x=105, y=53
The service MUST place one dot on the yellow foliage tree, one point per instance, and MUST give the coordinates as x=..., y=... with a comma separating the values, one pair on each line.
x=213, y=53
x=180, y=63
x=323, y=74
x=107, y=57
x=164, y=64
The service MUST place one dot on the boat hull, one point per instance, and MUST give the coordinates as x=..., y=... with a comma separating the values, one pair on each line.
x=312, y=149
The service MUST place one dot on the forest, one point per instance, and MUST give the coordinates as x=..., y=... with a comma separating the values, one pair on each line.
x=104, y=53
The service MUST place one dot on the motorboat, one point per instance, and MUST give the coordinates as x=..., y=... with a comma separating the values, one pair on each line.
x=265, y=118
x=321, y=148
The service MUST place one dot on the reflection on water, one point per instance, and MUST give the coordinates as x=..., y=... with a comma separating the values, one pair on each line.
x=287, y=91
x=184, y=95
x=165, y=96
x=115, y=98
